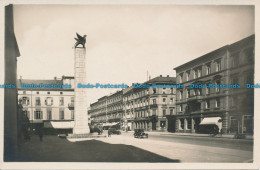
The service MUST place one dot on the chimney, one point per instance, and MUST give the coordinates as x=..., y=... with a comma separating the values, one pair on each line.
x=160, y=75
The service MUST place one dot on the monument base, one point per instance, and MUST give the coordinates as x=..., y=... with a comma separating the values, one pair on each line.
x=90, y=135
x=81, y=130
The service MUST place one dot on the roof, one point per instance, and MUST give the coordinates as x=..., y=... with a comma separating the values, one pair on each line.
x=160, y=79
x=226, y=47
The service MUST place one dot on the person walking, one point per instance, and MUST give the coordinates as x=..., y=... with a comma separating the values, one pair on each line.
x=109, y=133
x=41, y=133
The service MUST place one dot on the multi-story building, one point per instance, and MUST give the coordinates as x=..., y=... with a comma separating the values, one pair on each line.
x=229, y=65
x=98, y=111
x=51, y=108
x=146, y=108
x=108, y=109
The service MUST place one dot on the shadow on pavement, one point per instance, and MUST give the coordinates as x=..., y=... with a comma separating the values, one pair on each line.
x=55, y=149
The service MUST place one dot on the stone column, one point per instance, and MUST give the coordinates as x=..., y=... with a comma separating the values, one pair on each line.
x=192, y=126
x=185, y=125
x=80, y=110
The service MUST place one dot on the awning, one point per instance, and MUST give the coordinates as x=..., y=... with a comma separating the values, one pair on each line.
x=59, y=124
x=212, y=121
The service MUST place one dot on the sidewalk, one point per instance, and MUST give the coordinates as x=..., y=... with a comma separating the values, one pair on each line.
x=231, y=136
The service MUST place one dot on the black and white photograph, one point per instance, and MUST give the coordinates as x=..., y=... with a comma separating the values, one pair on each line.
x=130, y=85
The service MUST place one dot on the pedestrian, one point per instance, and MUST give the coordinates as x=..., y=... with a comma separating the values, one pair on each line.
x=109, y=133
x=41, y=133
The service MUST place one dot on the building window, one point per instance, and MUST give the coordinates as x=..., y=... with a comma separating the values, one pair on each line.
x=207, y=90
x=49, y=101
x=164, y=90
x=154, y=112
x=61, y=114
x=25, y=101
x=61, y=101
x=217, y=102
x=162, y=124
x=207, y=104
x=164, y=112
x=38, y=101
x=208, y=71
x=180, y=78
x=171, y=111
x=181, y=123
x=180, y=95
x=72, y=114
x=171, y=100
x=187, y=76
x=218, y=86
x=164, y=100
x=218, y=68
x=180, y=108
x=198, y=92
x=188, y=93
x=49, y=115
x=171, y=90
x=37, y=114
x=195, y=74
x=199, y=72
x=154, y=90
x=154, y=101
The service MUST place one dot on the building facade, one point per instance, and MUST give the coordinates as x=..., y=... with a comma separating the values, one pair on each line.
x=51, y=108
x=229, y=65
x=135, y=108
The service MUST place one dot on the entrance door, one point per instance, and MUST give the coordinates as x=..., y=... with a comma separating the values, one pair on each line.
x=171, y=125
x=153, y=126
x=248, y=124
x=233, y=125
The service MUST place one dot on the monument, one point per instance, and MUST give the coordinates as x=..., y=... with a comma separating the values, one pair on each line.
x=81, y=127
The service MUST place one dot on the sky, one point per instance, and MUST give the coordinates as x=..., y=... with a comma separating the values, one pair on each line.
x=123, y=41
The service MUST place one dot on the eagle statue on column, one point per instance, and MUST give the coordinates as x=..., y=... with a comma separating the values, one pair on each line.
x=80, y=40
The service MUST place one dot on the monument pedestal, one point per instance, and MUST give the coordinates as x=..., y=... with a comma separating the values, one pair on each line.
x=80, y=100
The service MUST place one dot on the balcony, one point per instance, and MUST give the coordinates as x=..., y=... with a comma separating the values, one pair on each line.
x=71, y=106
x=195, y=97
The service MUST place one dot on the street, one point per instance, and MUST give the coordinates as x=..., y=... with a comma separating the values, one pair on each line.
x=125, y=148
x=206, y=141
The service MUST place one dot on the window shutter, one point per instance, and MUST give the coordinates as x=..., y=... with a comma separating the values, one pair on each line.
x=34, y=114
x=41, y=114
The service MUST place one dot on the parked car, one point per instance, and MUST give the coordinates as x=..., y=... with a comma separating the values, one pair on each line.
x=139, y=133
x=113, y=131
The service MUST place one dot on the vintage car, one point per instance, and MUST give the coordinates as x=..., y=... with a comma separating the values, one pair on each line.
x=139, y=133
x=113, y=131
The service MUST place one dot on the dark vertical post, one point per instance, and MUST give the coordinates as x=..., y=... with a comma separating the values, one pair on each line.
x=10, y=94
